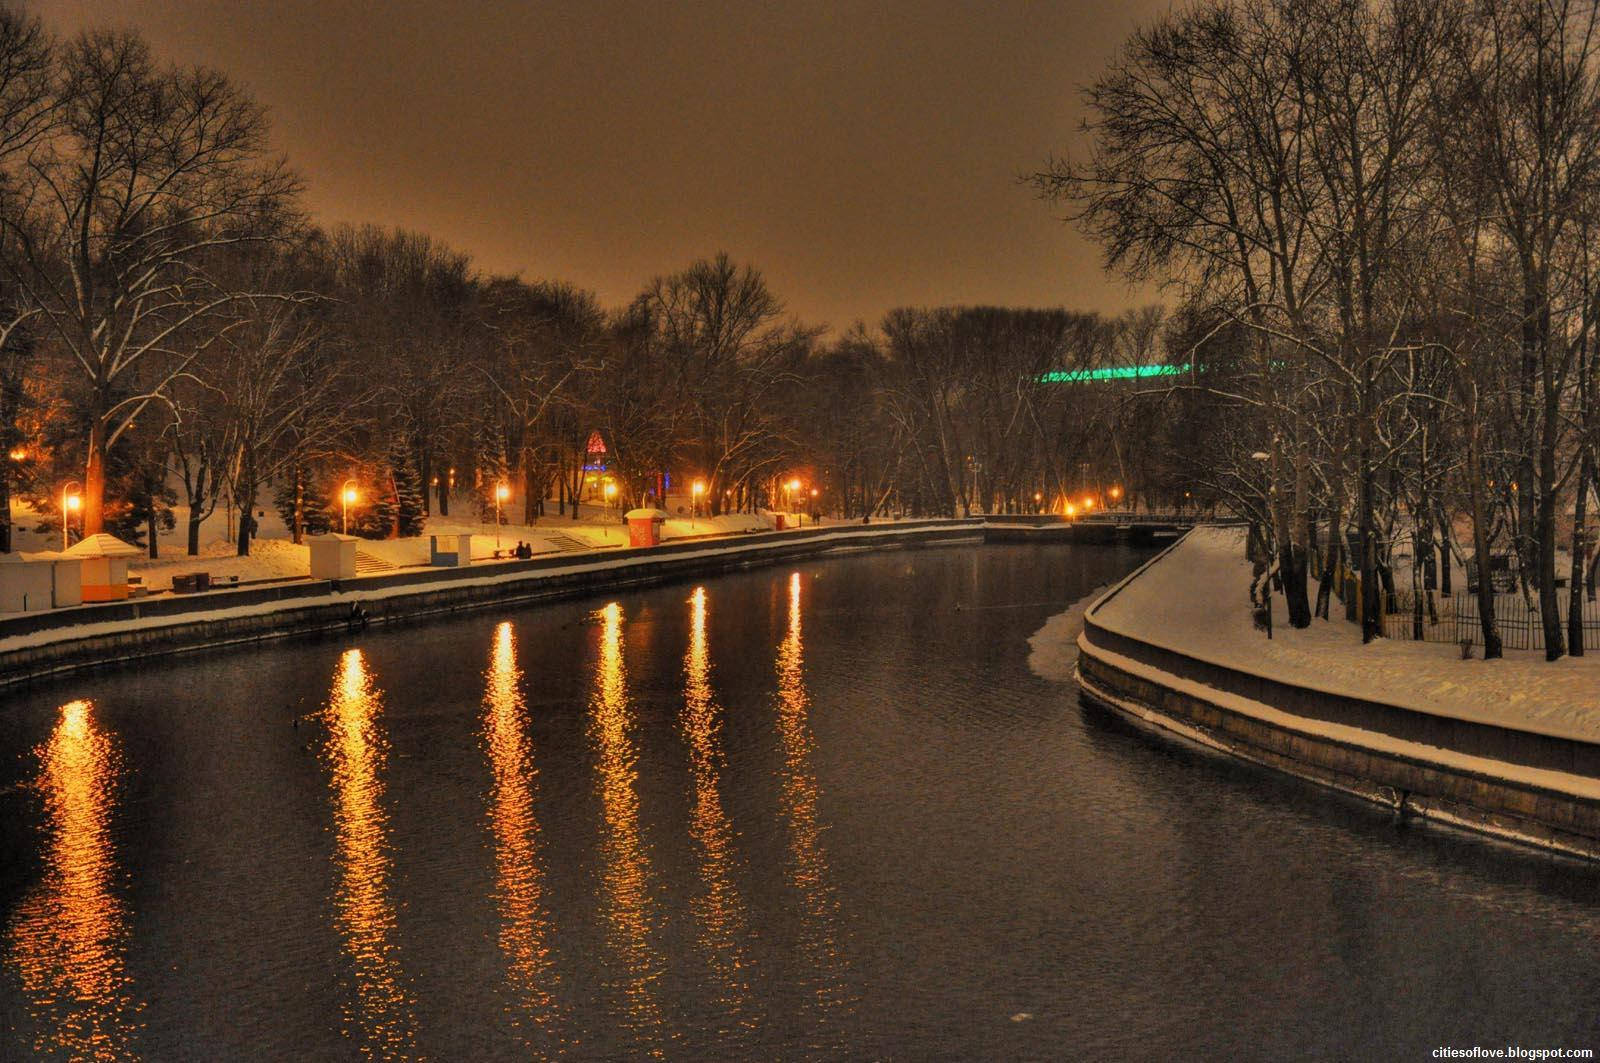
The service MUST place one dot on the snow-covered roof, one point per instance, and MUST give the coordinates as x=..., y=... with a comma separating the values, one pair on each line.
x=102, y=545
x=331, y=537
x=641, y=514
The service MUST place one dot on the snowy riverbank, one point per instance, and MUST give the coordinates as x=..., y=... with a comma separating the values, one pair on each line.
x=1193, y=600
x=1509, y=748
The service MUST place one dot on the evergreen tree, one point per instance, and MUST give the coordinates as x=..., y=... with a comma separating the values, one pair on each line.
x=313, y=502
x=376, y=521
x=410, y=507
x=493, y=471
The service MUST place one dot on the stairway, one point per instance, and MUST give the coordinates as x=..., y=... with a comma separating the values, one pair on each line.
x=565, y=543
x=370, y=564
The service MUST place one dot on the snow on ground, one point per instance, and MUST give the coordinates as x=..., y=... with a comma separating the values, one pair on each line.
x=1053, y=649
x=1195, y=600
x=273, y=556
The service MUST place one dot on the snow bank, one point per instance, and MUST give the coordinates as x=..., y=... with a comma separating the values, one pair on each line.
x=1194, y=600
x=1053, y=649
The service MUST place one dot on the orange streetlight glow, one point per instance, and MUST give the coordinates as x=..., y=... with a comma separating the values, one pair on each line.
x=69, y=504
x=18, y=453
x=1116, y=492
x=348, y=496
x=1088, y=503
x=501, y=493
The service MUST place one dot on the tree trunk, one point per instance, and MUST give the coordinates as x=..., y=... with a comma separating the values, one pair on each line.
x=1549, y=608
x=1580, y=543
x=1480, y=541
x=246, y=499
x=1371, y=621
x=94, y=481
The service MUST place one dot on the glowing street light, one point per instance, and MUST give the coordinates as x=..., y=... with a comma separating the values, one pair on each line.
x=1088, y=503
x=347, y=498
x=1116, y=493
x=501, y=493
x=19, y=453
x=70, y=502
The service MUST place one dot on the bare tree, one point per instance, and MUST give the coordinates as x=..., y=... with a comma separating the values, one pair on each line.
x=149, y=169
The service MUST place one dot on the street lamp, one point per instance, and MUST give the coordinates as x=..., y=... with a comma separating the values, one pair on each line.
x=347, y=495
x=696, y=491
x=501, y=493
x=69, y=502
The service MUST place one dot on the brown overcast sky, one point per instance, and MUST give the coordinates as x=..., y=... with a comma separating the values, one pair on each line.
x=863, y=155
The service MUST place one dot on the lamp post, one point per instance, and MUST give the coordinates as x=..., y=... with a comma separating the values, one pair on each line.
x=794, y=488
x=69, y=502
x=501, y=493
x=347, y=495
x=696, y=491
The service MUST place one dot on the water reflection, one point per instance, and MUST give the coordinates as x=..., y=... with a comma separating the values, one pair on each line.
x=808, y=863
x=718, y=907
x=625, y=901
x=525, y=928
x=356, y=751
x=69, y=939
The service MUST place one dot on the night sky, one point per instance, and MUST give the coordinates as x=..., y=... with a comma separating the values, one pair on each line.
x=864, y=156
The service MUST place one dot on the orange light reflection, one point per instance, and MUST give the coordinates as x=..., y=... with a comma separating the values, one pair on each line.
x=808, y=864
x=625, y=888
x=356, y=751
x=69, y=938
x=718, y=907
x=525, y=928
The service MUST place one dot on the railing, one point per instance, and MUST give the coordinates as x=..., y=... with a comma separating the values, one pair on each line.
x=1453, y=618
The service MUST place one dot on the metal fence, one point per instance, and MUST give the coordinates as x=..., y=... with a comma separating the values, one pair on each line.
x=1453, y=618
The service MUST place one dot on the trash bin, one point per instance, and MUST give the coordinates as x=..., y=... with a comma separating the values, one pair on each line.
x=644, y=526
x=778, y=521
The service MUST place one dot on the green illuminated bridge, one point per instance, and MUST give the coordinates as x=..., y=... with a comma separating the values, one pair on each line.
x=1124, y=372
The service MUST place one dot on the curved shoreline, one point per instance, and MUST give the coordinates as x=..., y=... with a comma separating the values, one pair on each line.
x=1531, y=788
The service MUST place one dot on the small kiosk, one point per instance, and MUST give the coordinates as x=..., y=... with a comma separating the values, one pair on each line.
x=333, y=556
x=644, y=526
x=66, y=580
x=449, y=551
x=25, y=586
x=105, y=566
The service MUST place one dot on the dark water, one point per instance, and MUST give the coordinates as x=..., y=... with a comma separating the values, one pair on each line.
x=817, y=813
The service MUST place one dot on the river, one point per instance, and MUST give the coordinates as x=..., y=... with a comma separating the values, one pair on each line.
x=824, y=811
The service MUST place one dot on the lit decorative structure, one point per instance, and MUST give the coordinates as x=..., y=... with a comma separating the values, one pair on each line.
x=105, y=566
